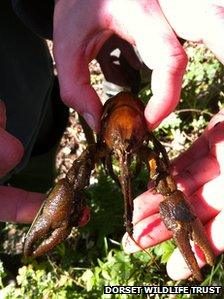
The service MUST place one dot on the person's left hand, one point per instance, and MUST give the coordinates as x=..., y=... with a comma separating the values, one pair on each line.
x=199, y=173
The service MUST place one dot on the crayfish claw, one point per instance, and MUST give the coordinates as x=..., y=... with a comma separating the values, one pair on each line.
x=178, y=217
x=200, y=239
x=56, y=237
x=181, y=237
x=35, y=232
x=53, y=219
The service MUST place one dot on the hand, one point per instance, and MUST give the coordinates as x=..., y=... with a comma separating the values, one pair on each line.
x=82, y=27
x=16, y=205
x=199, y=173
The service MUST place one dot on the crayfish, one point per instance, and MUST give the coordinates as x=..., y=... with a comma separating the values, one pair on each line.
x=124, y=136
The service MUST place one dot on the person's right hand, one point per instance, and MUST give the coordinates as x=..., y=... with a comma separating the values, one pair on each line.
x=16, y=205
x=82, y=27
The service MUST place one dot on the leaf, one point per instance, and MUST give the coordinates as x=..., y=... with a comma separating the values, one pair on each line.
x=106, y=275
x=87, y=275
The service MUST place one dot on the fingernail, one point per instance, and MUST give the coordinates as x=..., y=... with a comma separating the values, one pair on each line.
x=90, y=119
x=126, y=244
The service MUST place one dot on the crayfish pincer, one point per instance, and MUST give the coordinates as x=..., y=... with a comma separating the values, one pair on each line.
x=124, y=137
x=64, y=208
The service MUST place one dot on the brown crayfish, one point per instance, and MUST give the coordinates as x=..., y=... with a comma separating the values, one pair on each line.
x=124, y=135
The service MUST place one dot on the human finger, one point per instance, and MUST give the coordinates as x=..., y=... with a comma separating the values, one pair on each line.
x=147, y=232
x=162, y=53
x=214, y=16
x=202, y=169
x=77, y=40
x=208, y=200
x=197, y=174
x=196, y=151
x=176, y=266
x=75, y=88
x=216, y=144
x=146, y=204
x=204, y=199
x=202, y=146
x=166, y=57
x=18, y=205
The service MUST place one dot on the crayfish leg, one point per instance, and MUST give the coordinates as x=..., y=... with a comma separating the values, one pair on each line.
x=160, y=149
x=79, y=174
x=107, y=161
x=125, y=182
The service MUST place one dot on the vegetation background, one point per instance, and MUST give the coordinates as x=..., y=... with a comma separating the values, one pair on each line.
x=93, y=257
